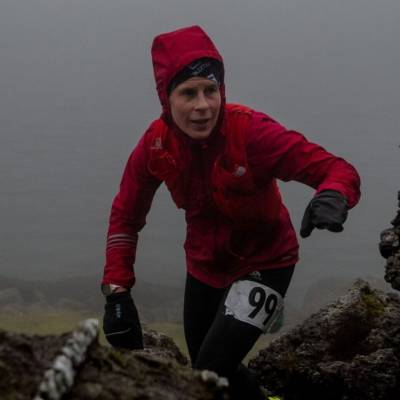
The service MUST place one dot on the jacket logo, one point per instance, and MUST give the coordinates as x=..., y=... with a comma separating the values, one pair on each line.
x=239, y=171
x=256, y=275
x=157, y=145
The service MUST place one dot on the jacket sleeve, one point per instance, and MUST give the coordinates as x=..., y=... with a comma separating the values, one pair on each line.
x=277, y=152
x=128, y=216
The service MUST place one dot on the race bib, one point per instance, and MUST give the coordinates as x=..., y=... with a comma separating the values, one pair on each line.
x=254, y=303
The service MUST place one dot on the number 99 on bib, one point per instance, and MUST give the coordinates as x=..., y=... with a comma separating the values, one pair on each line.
x=255, y=304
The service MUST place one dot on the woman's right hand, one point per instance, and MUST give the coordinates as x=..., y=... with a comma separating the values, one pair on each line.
x=121, y=322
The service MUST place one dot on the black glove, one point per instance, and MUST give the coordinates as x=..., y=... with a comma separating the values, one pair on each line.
x=121, y=323
x=327, y=210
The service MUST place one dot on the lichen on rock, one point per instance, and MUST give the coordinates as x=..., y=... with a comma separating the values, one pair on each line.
x=348, y=350
x=389, y=247
x=160, y=371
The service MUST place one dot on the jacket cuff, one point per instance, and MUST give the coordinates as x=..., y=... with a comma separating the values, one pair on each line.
x=351, y=197
x=121, y=278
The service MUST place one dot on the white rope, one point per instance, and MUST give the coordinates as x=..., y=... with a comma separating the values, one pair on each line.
x=59, y=379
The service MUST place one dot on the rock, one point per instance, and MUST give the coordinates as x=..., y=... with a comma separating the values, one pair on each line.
x=392, y=271
x=163, y=346
x=23, y=361
x=389, y=247
x=60, y=377
x=139, y=375
x=159, y=371
x=327, y=290
x=349, y=350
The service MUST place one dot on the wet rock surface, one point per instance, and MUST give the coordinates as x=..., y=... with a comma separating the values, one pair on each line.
x=392, y=274
x=349, y=350
x=389, y=247
x=110, y=374
x=162, y=346
x=23, y=361
x=158, y=372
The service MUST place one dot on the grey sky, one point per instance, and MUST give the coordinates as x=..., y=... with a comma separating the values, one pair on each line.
x=77, y=92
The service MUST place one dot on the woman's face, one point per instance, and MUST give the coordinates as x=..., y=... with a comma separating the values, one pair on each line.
x=195, y=105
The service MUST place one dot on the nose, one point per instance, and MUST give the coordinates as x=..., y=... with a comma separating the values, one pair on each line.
x=201, y=103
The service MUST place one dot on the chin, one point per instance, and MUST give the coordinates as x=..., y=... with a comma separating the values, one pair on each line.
x=199, y=135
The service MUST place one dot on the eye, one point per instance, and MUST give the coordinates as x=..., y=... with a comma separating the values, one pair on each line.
x=209, y=90
x=188, y=92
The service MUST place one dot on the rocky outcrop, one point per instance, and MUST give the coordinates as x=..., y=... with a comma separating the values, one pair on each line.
x=389, y=248
x=29, y=363
x=326, y=290
x=349, y=350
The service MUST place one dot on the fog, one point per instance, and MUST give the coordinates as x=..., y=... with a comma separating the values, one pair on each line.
x=77, y=92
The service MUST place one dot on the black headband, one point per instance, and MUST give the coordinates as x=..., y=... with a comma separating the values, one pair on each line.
x=204, y=67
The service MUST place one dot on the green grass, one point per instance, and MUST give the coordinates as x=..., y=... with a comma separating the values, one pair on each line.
x=42, y=322
x=56, y=322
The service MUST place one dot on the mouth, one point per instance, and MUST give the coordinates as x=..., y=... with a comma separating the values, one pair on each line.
x=202, y=121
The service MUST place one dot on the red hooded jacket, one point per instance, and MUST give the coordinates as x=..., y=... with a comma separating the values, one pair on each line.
x=236, y=221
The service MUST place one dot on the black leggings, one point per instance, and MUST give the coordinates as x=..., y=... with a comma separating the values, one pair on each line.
x=219, y=342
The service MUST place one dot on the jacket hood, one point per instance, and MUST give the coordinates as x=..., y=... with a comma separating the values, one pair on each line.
x=172, y=51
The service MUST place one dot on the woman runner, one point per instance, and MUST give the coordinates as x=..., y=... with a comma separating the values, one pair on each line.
x=220, y=162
